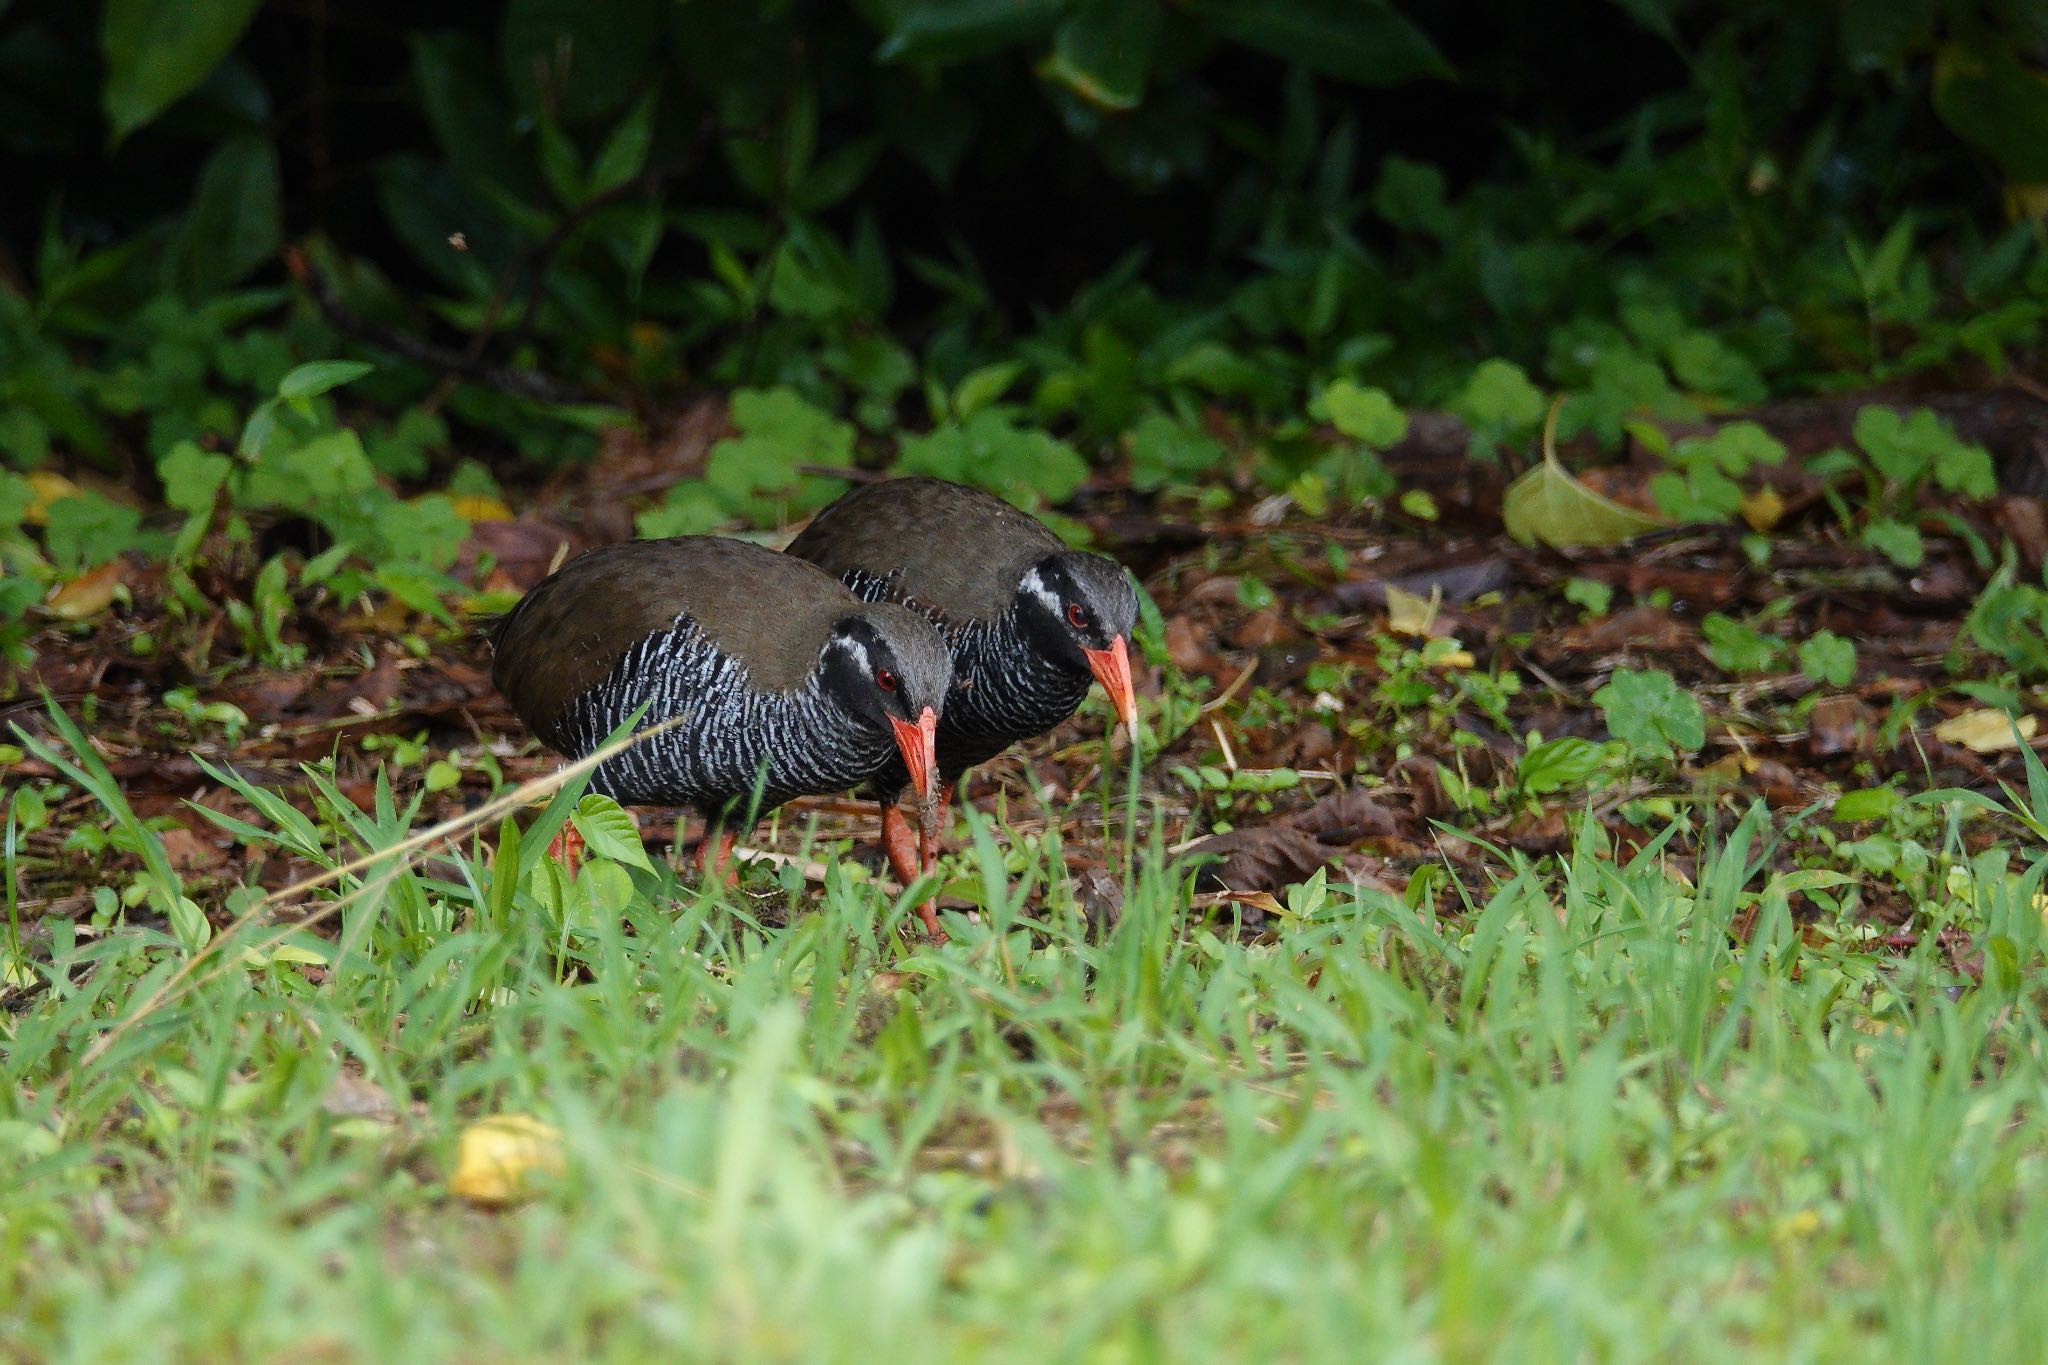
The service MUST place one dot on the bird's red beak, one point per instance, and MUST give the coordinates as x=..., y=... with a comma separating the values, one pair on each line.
x=918, y=742
x=1112, y=668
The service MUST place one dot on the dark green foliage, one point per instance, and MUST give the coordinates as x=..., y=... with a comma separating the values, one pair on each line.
x=640, y=195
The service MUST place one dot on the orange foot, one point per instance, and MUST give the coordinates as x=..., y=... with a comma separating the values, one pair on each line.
x=714, y=856
x=903, y=846
x=566, y=848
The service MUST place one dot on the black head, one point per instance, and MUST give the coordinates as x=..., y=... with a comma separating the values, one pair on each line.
x=889, y=669
x=1080, y=609
x=1071, y=603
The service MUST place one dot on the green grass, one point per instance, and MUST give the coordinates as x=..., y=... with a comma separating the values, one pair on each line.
x=1580, y=1120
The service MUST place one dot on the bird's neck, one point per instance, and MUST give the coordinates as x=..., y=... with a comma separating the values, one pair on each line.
x=1000, y=675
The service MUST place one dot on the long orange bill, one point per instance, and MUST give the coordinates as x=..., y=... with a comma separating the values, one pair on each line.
x=1112, y=668
x=918, y=742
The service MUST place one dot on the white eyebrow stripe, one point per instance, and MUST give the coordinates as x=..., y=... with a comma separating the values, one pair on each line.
x=1035, y=585
x=856, y=650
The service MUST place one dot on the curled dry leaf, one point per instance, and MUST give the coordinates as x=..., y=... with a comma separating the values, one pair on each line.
x=89, y=594
x=1839, y=725
x=1986, y=730
x=1265, y=858
x=1099, y=895
x=1346, y=817
x=498, y=1157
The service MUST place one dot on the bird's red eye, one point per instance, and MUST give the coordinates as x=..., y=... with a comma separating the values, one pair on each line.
x=885, y=680
x=1076, y=617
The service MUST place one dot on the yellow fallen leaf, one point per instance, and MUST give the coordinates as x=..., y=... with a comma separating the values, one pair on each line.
x=1546, y=503
x=1408, y=614
x=1986, y=730
x=497, y=1155
x=86, y=595
x=1457, y=658
x=1762, y=509
x=479, y=507
x=45, y=486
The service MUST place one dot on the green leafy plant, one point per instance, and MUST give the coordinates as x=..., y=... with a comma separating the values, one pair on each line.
x=1897, y=459
x=1648, y=711
x=1701, y=483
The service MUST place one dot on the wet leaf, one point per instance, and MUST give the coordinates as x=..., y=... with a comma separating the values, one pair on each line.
x=1547, y=504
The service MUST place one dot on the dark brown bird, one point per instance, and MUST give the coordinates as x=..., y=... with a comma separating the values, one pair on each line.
x=787, y=683
x=1029, y=622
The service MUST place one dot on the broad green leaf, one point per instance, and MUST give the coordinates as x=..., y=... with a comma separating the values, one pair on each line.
x=1557, y=764
x=316, y=377
x=191, y=476
x=1736, y=647
x=1368, y=416
x=1997, y=104
x=1649, y=711
x=1547, y=504
x=983, y=386
x=159, y=50
x=990, y=450
x=1735, y=449
x=1104, y=50
x=624, y=154
x=1827, y=658
x=1870, y=803
x=943, y=31
x=609, y=831
x=236, y=219
x=1896, y=541
x=1164, y=451
x=1365, y=42
x=1499, y=403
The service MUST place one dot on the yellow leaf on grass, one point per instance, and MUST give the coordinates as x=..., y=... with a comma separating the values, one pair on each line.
x=1762, y=509
x=45, y=486
x=1408, y=614
x=497, y=1156
x=1986, y=730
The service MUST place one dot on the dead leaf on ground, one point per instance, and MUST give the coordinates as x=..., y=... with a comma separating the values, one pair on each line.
x=1986, y=730
x=89, y=594
x=521, y=552
x=1547, y=504
x=189, y=852
x=1264, y=858
x=1347, y=817
x=1099, y=895
x=1409, y=614
x=1839, y=725
x=1649, y=629
x=2025, y=521
x=357, y=1097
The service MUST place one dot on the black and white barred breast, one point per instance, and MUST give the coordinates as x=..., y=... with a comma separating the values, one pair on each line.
x=731, y=741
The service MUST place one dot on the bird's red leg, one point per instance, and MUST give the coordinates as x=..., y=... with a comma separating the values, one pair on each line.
x=903, y=845
x=928, y=843
x=713, y=857
x=566, y=848
x=899, y=842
